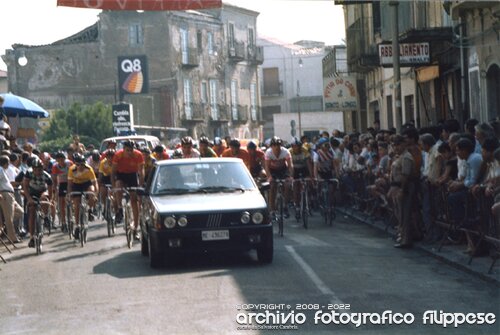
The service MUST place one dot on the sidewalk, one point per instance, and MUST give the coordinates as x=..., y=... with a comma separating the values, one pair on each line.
x=450, y=254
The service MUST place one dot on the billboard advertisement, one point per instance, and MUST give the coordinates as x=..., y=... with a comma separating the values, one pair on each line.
x=133, y=75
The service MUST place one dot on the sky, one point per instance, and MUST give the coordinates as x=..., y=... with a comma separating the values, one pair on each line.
x=38, y=22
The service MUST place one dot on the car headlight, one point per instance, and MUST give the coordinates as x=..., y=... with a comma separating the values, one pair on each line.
x=245, y=217
x=169, y=222
x=183, y=221
x=257, y=217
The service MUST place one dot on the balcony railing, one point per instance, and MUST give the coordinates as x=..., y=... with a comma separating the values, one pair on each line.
x=236, y=51
x=193, y=112
x=190, y=58
x=241, y=115
x=361, y=55
x=219, y=113
x=272, y=90
x=255, y=54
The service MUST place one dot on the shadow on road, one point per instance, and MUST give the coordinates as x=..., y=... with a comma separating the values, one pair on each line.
x=133, y=264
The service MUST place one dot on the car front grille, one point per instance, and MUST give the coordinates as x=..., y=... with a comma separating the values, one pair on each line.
x=214, y=220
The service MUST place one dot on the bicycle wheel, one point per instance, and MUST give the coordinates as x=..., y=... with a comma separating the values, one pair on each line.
x=280, y=218
x=38, y=234
x=107, y=216
x=83, y=225
x=326, y=207
x=304, y=210
x=69, y=220
x=127, y=222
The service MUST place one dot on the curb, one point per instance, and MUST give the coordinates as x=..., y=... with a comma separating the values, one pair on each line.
x=460, y=263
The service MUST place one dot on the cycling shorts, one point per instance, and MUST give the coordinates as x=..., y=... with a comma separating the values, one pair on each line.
x=128, y=179
x=83, y=187
x=62, y=189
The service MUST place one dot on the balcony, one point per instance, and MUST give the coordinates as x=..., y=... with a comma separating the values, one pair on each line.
x=193, y=113
x=236, y=51
x=361, y=55
x=241, y=115
x=190, y=58
x=220, y=115
x=255, y=55
x=271, y=89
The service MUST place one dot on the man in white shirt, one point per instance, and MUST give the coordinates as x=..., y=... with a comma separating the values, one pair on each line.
x=10, y=208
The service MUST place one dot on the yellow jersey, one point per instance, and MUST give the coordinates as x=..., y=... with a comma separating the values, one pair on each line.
x=105, y=167
x=80, y=177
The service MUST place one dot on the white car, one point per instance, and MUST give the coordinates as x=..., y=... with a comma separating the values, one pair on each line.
x=141, y=140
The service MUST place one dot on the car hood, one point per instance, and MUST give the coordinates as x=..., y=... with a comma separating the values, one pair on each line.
x=209, y=202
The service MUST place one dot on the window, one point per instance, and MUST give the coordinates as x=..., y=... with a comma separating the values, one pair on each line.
x=271, y=81
x=204, y=92
x=135, y=36
x=210, y=42
x=251, y=37
x=213, y=99
x=234, y=99
x=199, y=42
x=230, y=35
x=253, y=101
x=184, y=46
x=187, y=99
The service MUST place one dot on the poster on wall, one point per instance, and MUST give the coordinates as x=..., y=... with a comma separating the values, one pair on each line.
x=340, y=93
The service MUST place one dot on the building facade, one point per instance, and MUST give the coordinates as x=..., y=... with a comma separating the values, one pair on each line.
x=433, y=83
x=292, y=89
x=199, y=71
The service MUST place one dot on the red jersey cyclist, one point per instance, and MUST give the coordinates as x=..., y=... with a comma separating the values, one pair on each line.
x=128, y=171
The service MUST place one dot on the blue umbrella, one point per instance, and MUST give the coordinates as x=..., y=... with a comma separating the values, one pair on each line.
x=14, y=105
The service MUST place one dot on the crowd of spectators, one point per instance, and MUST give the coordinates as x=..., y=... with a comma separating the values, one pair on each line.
x=429, y=179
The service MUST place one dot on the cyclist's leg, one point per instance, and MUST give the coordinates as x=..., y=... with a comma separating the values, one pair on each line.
x=76, y=209
x=118, y=200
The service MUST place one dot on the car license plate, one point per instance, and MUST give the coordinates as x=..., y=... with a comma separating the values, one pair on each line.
x=214, y=235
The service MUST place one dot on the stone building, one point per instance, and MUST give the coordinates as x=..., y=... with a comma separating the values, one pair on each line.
x=455, y=79
x=200, y=70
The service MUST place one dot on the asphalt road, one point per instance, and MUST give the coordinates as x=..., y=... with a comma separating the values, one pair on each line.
x=322, y=272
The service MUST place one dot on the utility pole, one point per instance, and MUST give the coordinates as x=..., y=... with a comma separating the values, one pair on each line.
x=395, y=60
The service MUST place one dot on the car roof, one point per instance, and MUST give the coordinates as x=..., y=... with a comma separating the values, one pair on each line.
x=198, y=160
x=132, y=137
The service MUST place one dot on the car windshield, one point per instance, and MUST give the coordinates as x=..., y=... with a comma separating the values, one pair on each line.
x=206, y=177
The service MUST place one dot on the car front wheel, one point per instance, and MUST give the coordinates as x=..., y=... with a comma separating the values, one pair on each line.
x=154, y=257
x=265, y=252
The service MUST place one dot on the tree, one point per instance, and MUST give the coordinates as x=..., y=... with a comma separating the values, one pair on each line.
x=92, y=123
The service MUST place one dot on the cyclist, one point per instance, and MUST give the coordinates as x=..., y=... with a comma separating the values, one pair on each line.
x=278, y=165
x=149, y=161
x=60, y=178
x=81, y=178
x=235, y=150
x=257, y=169
x=205, y=149
x=219, y=146
x=187, y=148
x=159, y=153
x=324, y=163
x=128, y=171
x=94, y=160
x=36, y=183
x=111, y=144
x=105, y=168
x=302, y=168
